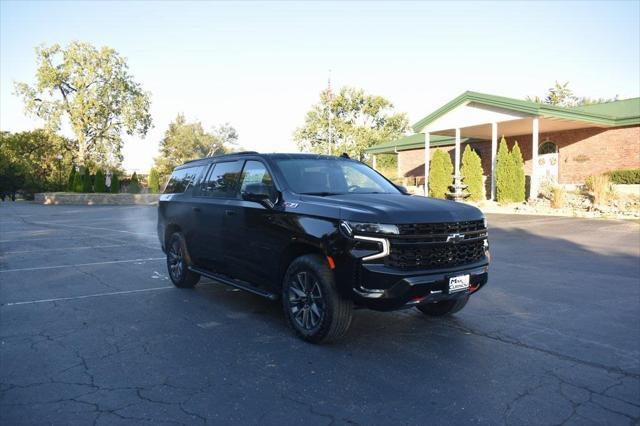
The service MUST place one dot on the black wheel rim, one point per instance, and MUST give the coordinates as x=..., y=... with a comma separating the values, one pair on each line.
x=306, y=301
x=176, y=261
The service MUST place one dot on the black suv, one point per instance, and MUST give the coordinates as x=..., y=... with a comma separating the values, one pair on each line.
x=323, y=234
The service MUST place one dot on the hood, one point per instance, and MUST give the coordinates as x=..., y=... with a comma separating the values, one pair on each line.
x=395, y=208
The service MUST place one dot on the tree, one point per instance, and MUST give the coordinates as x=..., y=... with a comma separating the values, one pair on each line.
x=29, y=160
x=518, y=174
x=93, y=90
x=134, y=184
x=115, y=184
x=185, y=141
x=99, y=184
x=440, y=174
x=154, y=181
x=504, y=174
x=471, y=172
x=358, y=121
x=562, y=95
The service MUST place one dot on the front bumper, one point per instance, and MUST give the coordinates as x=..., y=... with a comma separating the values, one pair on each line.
x=382, y=288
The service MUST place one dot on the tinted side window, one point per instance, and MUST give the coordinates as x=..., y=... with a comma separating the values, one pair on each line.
x=222, y=180
x=255, y=172
x=181, y=179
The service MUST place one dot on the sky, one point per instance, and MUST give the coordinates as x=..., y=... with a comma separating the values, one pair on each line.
x=261, y=65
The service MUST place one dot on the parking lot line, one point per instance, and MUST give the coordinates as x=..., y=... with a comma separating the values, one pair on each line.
x=93, y=227
x=81, y=264
x=60, y=299
x=63, y=248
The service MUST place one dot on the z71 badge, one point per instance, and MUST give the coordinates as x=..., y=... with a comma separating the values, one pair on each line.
x=290, y=205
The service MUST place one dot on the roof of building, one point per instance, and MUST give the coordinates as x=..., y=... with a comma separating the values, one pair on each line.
x=617, y=113
x=415, y=141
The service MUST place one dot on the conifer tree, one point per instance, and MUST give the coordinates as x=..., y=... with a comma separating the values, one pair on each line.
x=471, y=172
x=440, y=174
x=518, y=174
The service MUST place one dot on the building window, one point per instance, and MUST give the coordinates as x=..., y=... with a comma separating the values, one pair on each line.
x=547, y=148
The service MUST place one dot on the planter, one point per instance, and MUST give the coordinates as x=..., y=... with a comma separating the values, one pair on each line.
x=95, y=199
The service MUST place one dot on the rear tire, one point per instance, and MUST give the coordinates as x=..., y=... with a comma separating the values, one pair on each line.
x=311, y=303
x=178, y=261
x=446, y=307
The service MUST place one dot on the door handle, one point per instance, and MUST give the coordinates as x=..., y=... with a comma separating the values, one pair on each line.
x=229, y=212
x=196, y=209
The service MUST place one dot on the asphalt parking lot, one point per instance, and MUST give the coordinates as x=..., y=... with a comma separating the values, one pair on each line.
x=92, y=332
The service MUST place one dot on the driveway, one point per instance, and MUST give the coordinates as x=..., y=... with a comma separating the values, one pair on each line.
x=92, y=331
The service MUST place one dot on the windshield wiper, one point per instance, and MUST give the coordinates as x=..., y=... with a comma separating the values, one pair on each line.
x=321, y=194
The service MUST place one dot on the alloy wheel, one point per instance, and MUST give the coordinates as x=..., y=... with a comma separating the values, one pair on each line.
x=306, y=301
x=176, y=261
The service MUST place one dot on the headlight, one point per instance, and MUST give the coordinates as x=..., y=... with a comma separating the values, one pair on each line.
x=370, y=228
x=484, y=222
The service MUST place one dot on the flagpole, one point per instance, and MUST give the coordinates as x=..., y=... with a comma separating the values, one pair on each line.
x=330, y=98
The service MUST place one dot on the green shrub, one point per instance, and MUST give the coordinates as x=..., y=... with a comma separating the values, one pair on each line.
x=134, y=185
x=471, y=172
x=115, y=184
x=518, y=174
x=625, y=177
x=77, y=181
x=99, y=185
x=440, y=174
x=154, y=181
x=86, y=181
x=71, y=179
x=504, y=173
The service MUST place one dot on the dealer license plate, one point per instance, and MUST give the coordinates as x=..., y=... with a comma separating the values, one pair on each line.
x=458, y=283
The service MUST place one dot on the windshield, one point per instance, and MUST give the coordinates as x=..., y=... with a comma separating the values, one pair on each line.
x=327, y=176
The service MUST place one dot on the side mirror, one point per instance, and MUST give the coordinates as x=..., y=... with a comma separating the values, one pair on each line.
x=258, y=193
x=402, y=189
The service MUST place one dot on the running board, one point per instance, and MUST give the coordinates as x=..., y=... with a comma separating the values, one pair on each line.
x=234, y=283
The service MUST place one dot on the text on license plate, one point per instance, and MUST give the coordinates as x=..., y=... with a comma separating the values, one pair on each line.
x=458, y=283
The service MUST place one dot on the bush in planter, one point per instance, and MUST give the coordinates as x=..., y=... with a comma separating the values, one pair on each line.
x=471, y=172
x=99, y=184
x=518, y=174
x=154, y=181
x=115, y=184
x=625, y=177
x=134, y=185
x=440, y=174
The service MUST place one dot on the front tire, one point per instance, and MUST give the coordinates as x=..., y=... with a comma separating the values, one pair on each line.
x=178, y=263
x=446, y=307
x=311, y=303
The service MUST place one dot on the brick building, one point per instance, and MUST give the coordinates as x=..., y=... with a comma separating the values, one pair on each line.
x=567, y=144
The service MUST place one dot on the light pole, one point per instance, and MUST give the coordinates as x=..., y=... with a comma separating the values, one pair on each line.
x=59, y=158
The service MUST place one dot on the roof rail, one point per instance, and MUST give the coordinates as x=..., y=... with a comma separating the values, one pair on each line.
x=221, y=155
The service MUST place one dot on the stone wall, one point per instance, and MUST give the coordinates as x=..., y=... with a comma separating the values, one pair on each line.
x=95, y=199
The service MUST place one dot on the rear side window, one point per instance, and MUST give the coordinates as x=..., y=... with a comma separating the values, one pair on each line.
x=222, y=180
x=181, y=179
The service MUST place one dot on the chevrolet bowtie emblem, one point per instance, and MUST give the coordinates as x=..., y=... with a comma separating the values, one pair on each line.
x=455, y=238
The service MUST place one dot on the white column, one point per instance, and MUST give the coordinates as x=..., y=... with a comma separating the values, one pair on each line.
x=457, y=158
x=374, y=163
x=533, y=192
x=427, y=155
x=494, y=151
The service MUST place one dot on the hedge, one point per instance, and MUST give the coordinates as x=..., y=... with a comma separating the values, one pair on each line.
x=625, y=177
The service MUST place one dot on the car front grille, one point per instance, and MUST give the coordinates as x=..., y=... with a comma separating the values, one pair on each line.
x=428, y=246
